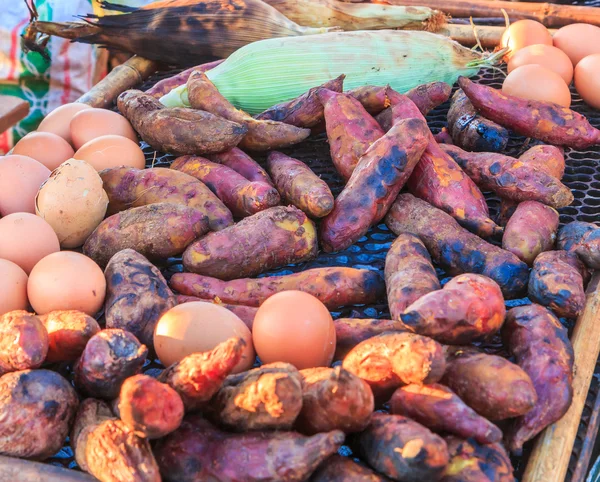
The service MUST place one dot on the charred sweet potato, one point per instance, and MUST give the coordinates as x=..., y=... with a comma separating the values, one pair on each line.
x=350, y=130
x=36, y=410
x=557, y=281
x=441, y=410
x=199, y=451
x=583, y=239
x=409, y=273
x=392, y=359
x=109, y=358
x=179, y=130
x=242, y=197
x=343, y=469
x=545, y=121
x=23, y=341
x=157, y=231
x=262, y=135
x=163, y=87
x=299, y=186
x=150, y=408
x=269, y=239
x=402, y=449
x=68, y=334
x=349, y=332
x=243, y=164
x=197, y=377
x=542, y=348
x=379, y=176
x=334, y=399
x=491, y=385
x=454, y=248
x=129, y=188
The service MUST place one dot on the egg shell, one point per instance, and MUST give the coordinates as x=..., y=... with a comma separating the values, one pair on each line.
x=73, y=202
x=110, y=151
x=535, y=82
x=294, y=327
x=89, y=124
x=587, y=79
x=59, y=120
x=13, y=287
x=20, y=180
x=545, y=55
x=523, y=33
x=46, y=148
x=25, y=239
x=66, y=281
x=198, y=327
x=578, y=40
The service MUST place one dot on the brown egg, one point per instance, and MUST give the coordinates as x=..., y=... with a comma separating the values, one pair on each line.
x=46, y=148
x=91, y=123
x=66, y=281
x=20, y=180
x=535, y=82
x=59, y=120
x=587, y=79
x=198, y=327
x=545, y=55
x=111, y=151
x=25, y=239
x=578, y=40
x=13, y=287
x=294, y=327
x=523, y=33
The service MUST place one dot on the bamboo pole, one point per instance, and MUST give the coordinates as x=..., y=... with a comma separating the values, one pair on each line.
x=18, y=470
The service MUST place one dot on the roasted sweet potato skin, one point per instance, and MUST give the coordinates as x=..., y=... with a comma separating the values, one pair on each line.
x=243, y=164
x=454, y=248
x=163, y=87
x=349, y=332
x=441, y=410
x=23, y=341
x=343, y=469
x=372, y=97
x=542, y=348
x=583, y=239
x=36, y=410
x=68, y=334
x=377, y=179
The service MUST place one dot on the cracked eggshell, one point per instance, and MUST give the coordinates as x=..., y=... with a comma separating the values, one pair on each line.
x=72, y=201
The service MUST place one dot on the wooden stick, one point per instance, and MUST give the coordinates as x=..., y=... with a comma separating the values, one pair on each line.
x=12, y=110
x=121, y=78
x=551, y=453
x=489, y=36
x=18, y=470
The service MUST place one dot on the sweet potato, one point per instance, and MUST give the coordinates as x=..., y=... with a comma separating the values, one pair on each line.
x=265, y=398
x=299, y=186
x=491, y=385
x=335, y=287
x=109, y=358
x=106, y=448
x=542, y=348
x=379, y=176
x=372, y=97
x=130, y=188
x=409, y=273
x=68, y=334
x=163, y=87
x=243, y=164
x=179, y=130
x=583, y=239
x=149, y=408
x=197, y=377
x=472, y=132
x=392, y=359
x=199, y=451
x=343, y=469
x=557, y=281
x=244, y=313
x=473, y=462
x=439, y=409
x=541, y=120
x=23, y=341
x=334, y=399
x=510, y=178
x=269, y=239
x=242, y=197
x=349, y=332
x=350, y=130
x=36, y=410
x=160, y=230
x=262, y=135
x=454, y=248
x=443, y=137
x=305, y=110
x=402, y=449
x=530, y=231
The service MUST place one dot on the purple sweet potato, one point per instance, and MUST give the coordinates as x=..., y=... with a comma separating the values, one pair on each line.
x=68, y=334
x=349, y=332
x=243, y=164
x=23, y=341
x=343, y=469
x=379, y=176
x=163, y=87
x=372, y=97
x=583, y=239
x=443, y=137
x=244, y=313
x=409, y=273
x=542, y=348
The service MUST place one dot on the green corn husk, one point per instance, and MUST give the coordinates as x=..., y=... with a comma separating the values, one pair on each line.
x=271, y=71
